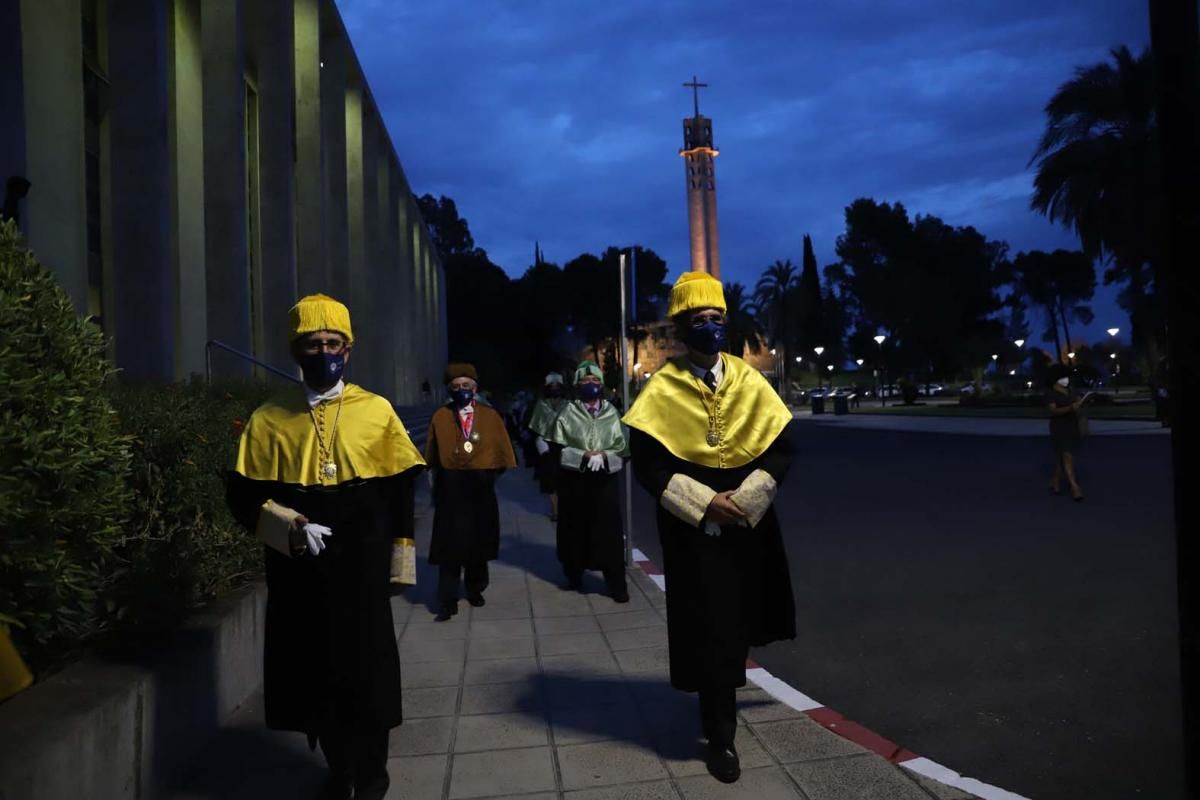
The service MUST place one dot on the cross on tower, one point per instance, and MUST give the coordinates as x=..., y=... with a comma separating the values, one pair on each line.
x=696, y=87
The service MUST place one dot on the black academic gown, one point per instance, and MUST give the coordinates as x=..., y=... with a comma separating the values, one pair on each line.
x=466, y=524
x=725, y=593
x=330, y=643
x=589, y=533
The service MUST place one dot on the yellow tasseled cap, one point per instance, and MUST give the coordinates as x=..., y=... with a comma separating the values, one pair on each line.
x=695, y=290
x=318, y=312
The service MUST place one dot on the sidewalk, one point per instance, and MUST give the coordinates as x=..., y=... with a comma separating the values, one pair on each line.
x=546, y=694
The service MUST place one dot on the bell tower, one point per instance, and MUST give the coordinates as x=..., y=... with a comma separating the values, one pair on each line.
x=699, y=156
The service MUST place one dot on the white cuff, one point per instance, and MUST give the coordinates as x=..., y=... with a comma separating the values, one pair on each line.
x=541, y=446
x=755, y=496
x=687, y=499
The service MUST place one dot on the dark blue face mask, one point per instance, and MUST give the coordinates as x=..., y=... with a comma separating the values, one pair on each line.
x=590, y=391
x=322, y=370
x=708, y=338
x=461, y=397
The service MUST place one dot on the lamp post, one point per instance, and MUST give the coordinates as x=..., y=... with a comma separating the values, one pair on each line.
x=818, y=351
x=1112, y=333
x=878, y=386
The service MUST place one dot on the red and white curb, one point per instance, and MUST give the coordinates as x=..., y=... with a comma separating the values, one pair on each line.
x=846, y=728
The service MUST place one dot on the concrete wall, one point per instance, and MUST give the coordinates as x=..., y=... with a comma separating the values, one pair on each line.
x=120, y=728
x=217, y=215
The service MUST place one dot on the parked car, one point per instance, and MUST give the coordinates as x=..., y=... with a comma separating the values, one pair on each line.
x=969, y=388
x=930, y=389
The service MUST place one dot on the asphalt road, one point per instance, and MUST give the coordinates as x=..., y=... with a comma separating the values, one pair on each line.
x=947, y=601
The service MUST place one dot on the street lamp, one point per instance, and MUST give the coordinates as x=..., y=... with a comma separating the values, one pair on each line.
x=1019, y=342
x=858, y=361
x=818, y=351
x=1113, y=331
x=878, y=388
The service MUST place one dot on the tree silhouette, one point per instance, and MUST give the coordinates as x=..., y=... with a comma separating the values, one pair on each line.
x=1060, y=284
x=741, y=325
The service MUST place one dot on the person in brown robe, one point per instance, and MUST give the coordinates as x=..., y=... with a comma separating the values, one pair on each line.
x=468, y=448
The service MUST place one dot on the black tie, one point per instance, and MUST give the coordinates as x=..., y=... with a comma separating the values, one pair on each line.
x=710, y=381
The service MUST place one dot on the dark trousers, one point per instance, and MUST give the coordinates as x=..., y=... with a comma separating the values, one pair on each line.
x=614, y=578
x=474, y=575
x=357, y=753
x=718, y=712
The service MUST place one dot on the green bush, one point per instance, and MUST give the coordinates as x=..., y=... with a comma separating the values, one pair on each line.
x=65, y=496
x=184, y=548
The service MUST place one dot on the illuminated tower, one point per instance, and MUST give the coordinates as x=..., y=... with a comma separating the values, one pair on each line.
x=698, y=153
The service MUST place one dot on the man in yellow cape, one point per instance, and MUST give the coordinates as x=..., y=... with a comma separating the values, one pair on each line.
x=324, y=474
x=709, y=441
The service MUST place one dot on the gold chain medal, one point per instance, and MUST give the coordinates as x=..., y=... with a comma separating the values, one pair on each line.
x=328, y=469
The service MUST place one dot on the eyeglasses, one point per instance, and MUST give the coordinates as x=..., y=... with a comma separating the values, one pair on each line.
x=700, y=320
x=333, y=346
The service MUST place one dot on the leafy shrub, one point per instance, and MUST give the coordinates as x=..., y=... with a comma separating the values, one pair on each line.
x=908, y=391
x=184, y=548
x=64, y=464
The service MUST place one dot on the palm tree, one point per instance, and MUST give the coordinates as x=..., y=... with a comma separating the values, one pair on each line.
x=741, y=324
x=1098, y=174
x=774, y=294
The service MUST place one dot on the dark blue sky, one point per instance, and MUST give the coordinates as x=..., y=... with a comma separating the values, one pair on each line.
x=560, y=120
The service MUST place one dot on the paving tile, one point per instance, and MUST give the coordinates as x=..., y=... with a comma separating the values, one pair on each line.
x=419, y=737
x=431, y=673
x=500, y=628
x=865, y=777
x=417, y=777
x=769, y=783
x=500, y=732
x=567, y=691
x=501, y=611
x=633, y=638
x=585, y=766
x=631, y=619
x=482, y=649
x=502, y=772
x=417, y=652
x=802, y=739
x=756, y=705
x=501, y=670
x=494, y=698
x=580, y=664
x=434, y=631
x=596, y=723
x=683, y=751
x=549, y=626
x=655, y=790
x=567, y=605
x=433, y=702
x=561, y=644
x=650, y=689
x=602, y=604
x=673, y=715
x=644, y=659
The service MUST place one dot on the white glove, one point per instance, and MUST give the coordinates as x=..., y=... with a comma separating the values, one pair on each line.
x=595, y=463
x=315, y=534
x=541, y=446
x=712, y=528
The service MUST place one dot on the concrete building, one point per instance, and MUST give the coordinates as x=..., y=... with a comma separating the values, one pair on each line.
x=699, y=155
x=194, y=167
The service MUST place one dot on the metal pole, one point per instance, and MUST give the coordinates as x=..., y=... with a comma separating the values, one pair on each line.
x=625, y=400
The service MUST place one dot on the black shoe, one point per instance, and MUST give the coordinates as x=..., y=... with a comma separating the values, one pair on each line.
x=446, y=613
x=722, y=762
x=621, y=596
x=337, y=787
x=476, y=600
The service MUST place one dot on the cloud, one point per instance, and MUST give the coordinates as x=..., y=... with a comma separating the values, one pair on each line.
x=561, y=121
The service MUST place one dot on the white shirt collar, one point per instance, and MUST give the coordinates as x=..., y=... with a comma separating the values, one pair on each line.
x=718, y=369
x=315, y=398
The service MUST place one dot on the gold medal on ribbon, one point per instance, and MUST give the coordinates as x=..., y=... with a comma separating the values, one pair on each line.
x=713, y=439
x=468, y=447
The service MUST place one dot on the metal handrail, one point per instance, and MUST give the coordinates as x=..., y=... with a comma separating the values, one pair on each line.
x=211, y=343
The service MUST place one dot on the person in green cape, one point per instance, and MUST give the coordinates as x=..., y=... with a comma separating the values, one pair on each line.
x=593, y=447
x=541, y=421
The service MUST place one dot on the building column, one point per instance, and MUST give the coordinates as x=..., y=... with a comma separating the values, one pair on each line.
x=354, y=268
x=54, y=214
x=333, y=159
x=186, y=145
x=310, y=247
x=144, y=327
x=406, y=377
x=442, y=339
x=392, y=305
x=12, y=97
x=382, y=266
x=277, y=258
x=226, y=249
